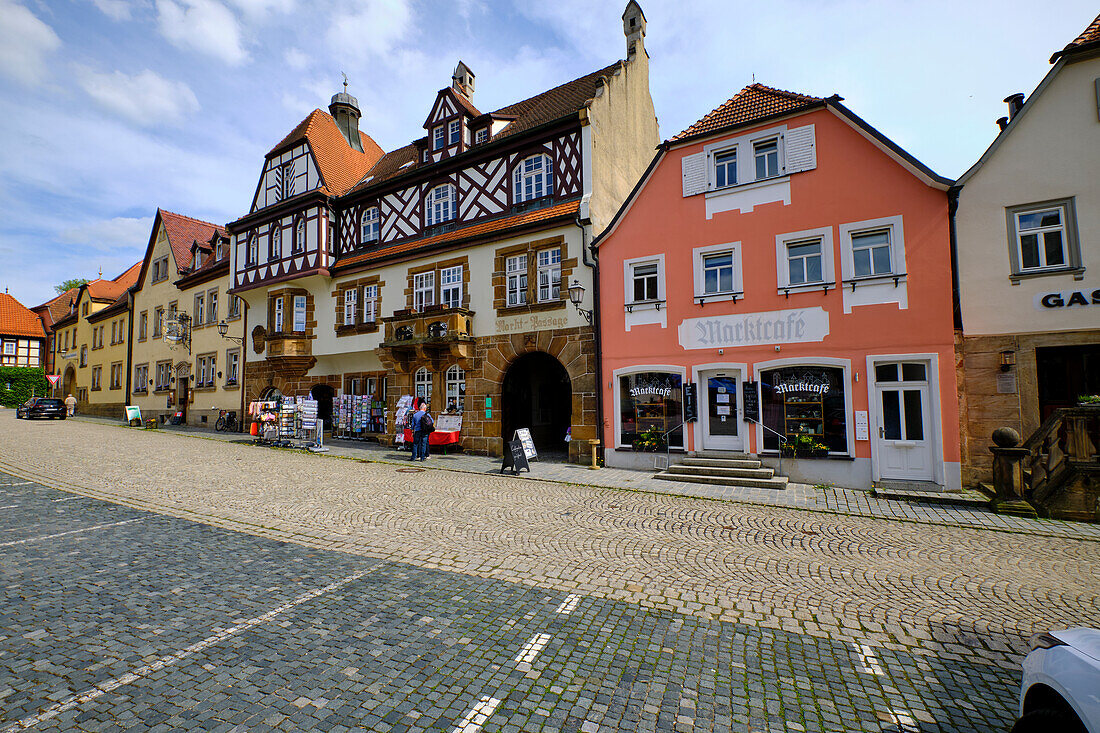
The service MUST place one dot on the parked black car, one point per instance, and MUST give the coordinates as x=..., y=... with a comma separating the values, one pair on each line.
x=41, y=407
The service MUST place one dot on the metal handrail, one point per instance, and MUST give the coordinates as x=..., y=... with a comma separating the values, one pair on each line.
x=668, y=448
x=782, y=440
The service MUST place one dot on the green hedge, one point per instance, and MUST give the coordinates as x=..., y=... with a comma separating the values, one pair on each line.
x=17, y=384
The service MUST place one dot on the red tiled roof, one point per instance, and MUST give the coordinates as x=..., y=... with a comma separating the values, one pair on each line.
x=1089, y=36
x=112, y=290
x=182, y=232
x=477, y=230
x=17, y=320
x=553, y=104
x=341, y=165
x=754, y=102
x=57, y=308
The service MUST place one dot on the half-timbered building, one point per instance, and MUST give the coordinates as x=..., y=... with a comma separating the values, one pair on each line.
x=21, y=334
x=451, y=260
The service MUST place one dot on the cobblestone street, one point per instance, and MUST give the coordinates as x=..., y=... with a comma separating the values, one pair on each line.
x=157, y=581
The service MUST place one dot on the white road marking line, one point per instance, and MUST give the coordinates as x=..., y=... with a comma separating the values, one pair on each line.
x=869, y=661
x=569, y=604
x=10, y=506
x=18, y=483
x=69, y=498
x=473, y=720
x=110, y=685
x=75, y=531
x=532, y=648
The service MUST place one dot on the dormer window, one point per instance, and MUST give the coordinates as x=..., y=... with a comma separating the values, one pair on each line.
x=534, y=178
x=441, y=204
x=481, y=136
x=439, y=138
x=370, y=225
x=454, y=132
x=427, y=155
x=221, y=250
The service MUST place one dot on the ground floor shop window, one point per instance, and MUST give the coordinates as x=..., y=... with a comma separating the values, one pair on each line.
x=423, y=382
x=805, y=402
x=456, y=388
x=651, y=403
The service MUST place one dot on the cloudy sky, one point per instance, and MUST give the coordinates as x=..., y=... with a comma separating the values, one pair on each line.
x=111, y=108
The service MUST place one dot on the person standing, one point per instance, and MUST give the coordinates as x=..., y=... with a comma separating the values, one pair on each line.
x=70, y=405
x=422, y=428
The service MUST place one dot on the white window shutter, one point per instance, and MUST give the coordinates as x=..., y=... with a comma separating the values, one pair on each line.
x=694, y=169
x=801, y=149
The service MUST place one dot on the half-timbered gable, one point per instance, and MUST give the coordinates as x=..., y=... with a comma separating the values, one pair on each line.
x=286, y=175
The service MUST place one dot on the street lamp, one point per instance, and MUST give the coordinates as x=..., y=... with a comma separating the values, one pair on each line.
x=576, y=296
x=223, y=329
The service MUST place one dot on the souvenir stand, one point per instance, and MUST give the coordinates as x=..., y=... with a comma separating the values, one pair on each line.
x=359, y=417
x=289, y=422
x=447, y=433
x=265, y=420
x=402, y=416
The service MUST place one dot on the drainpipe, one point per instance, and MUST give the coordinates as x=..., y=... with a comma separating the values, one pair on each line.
x=594, y=263
x=952, y=208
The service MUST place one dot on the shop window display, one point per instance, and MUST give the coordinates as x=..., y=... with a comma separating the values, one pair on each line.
x=805, y=402
x=651, y=402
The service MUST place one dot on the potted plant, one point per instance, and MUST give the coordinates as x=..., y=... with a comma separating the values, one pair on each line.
x=803, y=445
x=1088, y=400
x=649, y=440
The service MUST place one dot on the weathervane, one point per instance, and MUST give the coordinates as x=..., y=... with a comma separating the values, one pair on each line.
x=345, y=81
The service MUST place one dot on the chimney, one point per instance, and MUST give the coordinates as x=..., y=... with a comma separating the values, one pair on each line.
x=1015, y=104
x=633, y=27
x=463, y=80
x=345, y=110
x=1002, y=122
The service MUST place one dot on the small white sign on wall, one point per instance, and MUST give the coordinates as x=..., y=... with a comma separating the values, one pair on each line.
x=863, y=432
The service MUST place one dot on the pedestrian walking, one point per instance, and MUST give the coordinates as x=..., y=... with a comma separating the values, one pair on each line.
x=70, y=405
x=423, y=426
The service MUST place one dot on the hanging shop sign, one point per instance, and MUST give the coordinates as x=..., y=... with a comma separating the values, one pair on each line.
x=1063, y=299
x=691, y=402
x=803, y=325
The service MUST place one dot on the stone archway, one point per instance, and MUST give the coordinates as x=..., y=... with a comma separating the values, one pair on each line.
x=68, y=382
x=537, y=394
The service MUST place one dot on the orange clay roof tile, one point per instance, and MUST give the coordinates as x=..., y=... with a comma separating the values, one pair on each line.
x=754, y=102
x=341, y=165
x=182, y=232
x=17, y=320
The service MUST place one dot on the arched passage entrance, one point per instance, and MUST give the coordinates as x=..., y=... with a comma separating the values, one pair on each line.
x=68, y=384
x=537, y=394
x=323, y=394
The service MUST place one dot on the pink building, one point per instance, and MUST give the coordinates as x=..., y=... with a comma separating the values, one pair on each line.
x=791, y=266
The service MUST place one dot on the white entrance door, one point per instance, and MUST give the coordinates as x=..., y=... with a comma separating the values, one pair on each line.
x=904, y=441
x=720, y=416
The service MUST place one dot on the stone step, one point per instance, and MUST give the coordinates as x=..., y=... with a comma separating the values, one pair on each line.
x=778, y=482
x=967, y=498
x=721, y=471
x=722, y=462
x=723, y=455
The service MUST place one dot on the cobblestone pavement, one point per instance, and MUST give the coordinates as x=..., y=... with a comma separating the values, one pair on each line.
x=357, y=595
x=796, y=496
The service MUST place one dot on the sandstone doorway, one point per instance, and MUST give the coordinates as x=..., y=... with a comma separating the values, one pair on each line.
x=537, y=394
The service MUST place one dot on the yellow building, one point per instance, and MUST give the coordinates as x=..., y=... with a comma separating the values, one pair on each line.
x=91, y=343
x=194, y=370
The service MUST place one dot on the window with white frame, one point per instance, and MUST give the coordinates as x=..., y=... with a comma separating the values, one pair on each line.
x=116, y=375
x=643, y=276
x=114, y=332
x=481, y=135
x=141, y=378
x=1043, y=237
x=234, y=306
x=299, y=313
x=370, y=303
x=207, y=370
x=299, y=237
x=143, y=326
x=441, y=204
x=871, y=253
x=212, y=306
x=423, y=383
x=232, y=365
x=456, y=388
x=252, y=249
x=122, y=331
x=549, y=273
x=97, y=377
x=370, y=225
x=9, y=348
x=439, y=138
x=533, y=178
x=804, y=264
x=276, y=243
x=351, y=295
x=454, y=132
x=221, y=251
x=516, y=272
x=423, y=290
x=355, y=386
x=164, y=375
x=725, y=168
x=450, y=286
x=158, y=320
x=200, y=309
x=718, y=273
x=766, y=155
x=278, y=315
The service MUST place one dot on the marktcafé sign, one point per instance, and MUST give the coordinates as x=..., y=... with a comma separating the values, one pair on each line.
x=803, y=325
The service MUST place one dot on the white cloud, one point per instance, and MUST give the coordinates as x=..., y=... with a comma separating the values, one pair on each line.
x=260, y=9
x=296, y=59
x=108, y=235
x=25, y=41
x=115, y=9
x=146, y=98
x=375, y=28
x=203, y=25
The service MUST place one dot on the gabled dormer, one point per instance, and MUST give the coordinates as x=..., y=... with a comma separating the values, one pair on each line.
x=449, y=123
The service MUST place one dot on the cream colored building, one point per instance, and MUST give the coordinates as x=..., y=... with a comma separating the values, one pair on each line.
x=186, y=272
x=91, y=345
x=1028, y=258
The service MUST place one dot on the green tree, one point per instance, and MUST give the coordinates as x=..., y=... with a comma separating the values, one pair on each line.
x=76, y=282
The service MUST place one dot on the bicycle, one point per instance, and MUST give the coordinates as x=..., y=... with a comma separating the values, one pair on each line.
x=227, y=421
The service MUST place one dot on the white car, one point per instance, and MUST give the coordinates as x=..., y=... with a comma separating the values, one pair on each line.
x=1060, y=692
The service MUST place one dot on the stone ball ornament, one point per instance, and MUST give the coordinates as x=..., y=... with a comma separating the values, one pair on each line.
x=1006, y=438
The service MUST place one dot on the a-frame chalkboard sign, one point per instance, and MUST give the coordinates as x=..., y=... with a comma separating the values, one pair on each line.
x=514, y=457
